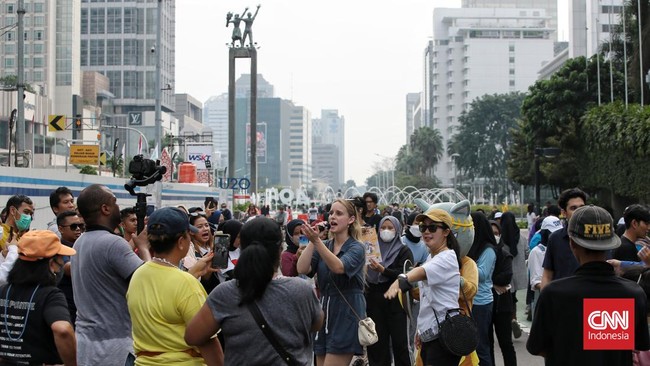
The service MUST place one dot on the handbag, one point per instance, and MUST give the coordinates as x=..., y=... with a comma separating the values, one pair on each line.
x=367, y=333
x=268, y=333
x=458, y=333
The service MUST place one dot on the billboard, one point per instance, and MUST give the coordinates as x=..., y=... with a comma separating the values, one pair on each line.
x=261, y=143
x=198, y=154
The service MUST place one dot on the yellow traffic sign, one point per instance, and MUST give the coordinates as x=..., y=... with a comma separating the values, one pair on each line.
x=84, y=154
x=102, y=158
x=56, y=122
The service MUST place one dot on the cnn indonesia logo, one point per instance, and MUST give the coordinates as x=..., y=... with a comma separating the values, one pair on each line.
x=608, y=324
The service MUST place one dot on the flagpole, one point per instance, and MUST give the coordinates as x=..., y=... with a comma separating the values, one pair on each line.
x=625, y=55
x=638, y=18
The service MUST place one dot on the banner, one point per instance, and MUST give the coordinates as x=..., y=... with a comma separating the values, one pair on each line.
x=198, y=154
x=260, y=141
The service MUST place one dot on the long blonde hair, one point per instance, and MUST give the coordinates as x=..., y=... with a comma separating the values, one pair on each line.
x=354, y=230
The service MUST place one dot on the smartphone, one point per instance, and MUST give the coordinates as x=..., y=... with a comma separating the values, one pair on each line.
x=303, y=240
x=220, y=249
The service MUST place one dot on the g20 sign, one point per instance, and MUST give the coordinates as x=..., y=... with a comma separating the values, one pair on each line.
x=234, y=183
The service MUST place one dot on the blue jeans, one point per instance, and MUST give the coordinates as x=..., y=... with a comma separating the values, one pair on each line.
x=483, y=318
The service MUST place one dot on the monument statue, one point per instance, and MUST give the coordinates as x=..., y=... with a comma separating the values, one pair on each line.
x=248, y=30
x=236, y=32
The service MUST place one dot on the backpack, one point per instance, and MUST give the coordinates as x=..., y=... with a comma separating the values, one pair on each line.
x=502, y=275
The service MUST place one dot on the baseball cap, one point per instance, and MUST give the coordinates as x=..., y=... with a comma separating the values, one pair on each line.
x=224, y=205
x=498, y=215
x=436, y=215
x=170, y=221
x=592, y=227
x=551, y=223
x=39, y=244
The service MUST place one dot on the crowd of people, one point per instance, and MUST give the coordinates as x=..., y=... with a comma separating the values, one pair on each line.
x=200, y=286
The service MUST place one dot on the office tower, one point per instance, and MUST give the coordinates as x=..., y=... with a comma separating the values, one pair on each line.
x=328, y=134
x=550, y=6
x=413, y=113
x=478, y=52
x=299, y=149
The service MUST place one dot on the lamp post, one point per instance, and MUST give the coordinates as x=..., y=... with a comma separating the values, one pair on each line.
x=115, y=144
x=455, y=156
x=546, y=152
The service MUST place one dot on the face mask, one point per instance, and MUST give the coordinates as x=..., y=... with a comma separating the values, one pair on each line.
x=387, y=235
x=24, y=222
x=498, y=238
x=415, y=231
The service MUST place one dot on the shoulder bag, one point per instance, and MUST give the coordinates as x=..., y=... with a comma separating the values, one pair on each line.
x=268, y=333
x=458, y=333
x=367, y=333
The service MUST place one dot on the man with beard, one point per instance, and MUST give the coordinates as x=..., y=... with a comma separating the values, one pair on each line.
x=101, y=271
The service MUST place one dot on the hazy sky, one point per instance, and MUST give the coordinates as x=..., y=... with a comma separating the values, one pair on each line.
x=360, y=57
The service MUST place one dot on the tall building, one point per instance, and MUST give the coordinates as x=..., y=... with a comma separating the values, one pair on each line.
x=550, y=6
x=51, y=56
x=118, y=39
x=413, y=113
x=426, y=102
x=590, y=22
x=482, y=51
x=299, y=151
x=327, y=132
x=215, y=116
x=243, y=87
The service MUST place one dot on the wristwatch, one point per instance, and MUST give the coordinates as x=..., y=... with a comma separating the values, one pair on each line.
x=403, y=282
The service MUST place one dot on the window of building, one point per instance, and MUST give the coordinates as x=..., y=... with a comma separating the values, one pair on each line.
x=115, y=80
x=10, y=62
x=38, y=76
x=39, y=21
x=533, y=34
x=38, y=61
x=151, y=21
x=511, y=34
x=84, y=52
x=97, y=52
x=38, y=48
x=614, y=9
x=130, y=84
x=151, y=85
x=151, y=56
x=84, y=21
x=9, y=20
x=113, y=52
x=26, y=36
x=38, y=35
x=9, y=49
x=512, y=71
x=535, y=13
x=114, y=20
x=512, y=59
x=10, y=8
x=512, y=83
x=26, y=62
x=10, y=36
x=97, y=21
x=38, y=7
x=511, y=48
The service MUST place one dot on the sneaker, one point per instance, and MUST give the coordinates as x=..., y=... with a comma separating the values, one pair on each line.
x=516, y=329
x=529, y=316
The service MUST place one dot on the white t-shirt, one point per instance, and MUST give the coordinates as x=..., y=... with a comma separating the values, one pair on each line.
x=535, y=260
x=313, y=213
x=531, y=217
x=439, y=291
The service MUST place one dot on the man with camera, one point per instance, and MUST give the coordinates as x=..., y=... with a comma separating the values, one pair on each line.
x=101, y=272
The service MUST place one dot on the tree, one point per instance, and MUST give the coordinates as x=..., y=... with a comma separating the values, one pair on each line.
x=484, y=137
x=88, y=169
x=11, y=81
x=350, y=183
x=551, y=117
x=426, y=144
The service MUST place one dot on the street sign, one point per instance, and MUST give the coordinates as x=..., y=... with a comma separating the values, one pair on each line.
x=84, y=154
x=102, y=158
x=56, y=123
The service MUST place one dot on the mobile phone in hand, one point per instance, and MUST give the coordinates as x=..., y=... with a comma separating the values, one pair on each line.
x=220, y=250
x=303, y=240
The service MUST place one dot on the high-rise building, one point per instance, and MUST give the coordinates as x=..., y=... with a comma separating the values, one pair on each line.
x=590, y=22
x=243, y=87
x=118, y=39
x=329, y=130
x=51, y=55
x=550, y=6
x=482, y=51
x=215, y=115
x=299, y=151
x=413, y=113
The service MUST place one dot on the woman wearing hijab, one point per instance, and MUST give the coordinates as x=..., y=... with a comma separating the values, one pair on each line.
x=388, y=315
x=292, y=253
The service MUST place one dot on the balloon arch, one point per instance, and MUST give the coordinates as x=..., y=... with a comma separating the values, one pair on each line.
x=394, y=194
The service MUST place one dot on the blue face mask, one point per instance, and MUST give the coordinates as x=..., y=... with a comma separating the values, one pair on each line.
x=24, y=222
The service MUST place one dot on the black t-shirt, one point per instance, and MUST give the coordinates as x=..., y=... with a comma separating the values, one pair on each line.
x=36, y=346
x=372, y=220
x=559, y=258
x=627, y=251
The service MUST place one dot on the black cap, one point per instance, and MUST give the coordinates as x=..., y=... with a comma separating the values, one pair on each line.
x=592, y=227
x=170, y=221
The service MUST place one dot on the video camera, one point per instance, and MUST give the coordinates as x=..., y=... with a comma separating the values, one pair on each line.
x=143, y=172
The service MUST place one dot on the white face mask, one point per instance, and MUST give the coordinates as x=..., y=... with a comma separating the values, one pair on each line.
x=387, y=235
x=415, y=231
x=498, y=238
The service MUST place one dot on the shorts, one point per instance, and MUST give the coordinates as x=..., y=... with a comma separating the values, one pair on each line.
x=433, y=353
x=339, y=334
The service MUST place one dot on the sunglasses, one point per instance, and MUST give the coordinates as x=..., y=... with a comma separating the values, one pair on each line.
x=432, y=228
x=81, y=227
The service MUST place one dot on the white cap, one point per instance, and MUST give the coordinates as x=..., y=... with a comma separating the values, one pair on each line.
x=498, y=215
x=552, y=224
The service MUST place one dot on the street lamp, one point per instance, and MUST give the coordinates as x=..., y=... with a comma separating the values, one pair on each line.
x=547, y=152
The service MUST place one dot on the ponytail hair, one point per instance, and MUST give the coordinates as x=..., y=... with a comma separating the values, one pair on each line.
x=260, y=243
x=354, y=230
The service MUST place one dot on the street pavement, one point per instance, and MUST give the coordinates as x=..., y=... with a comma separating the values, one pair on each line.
x=523, y=357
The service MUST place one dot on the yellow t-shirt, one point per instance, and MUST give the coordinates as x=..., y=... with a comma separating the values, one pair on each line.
x=162, y=300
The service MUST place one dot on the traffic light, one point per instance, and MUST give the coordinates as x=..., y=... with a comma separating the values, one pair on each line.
x=78, y=124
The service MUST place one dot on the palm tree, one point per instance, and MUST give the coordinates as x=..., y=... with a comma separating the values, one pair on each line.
x=427, y=145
